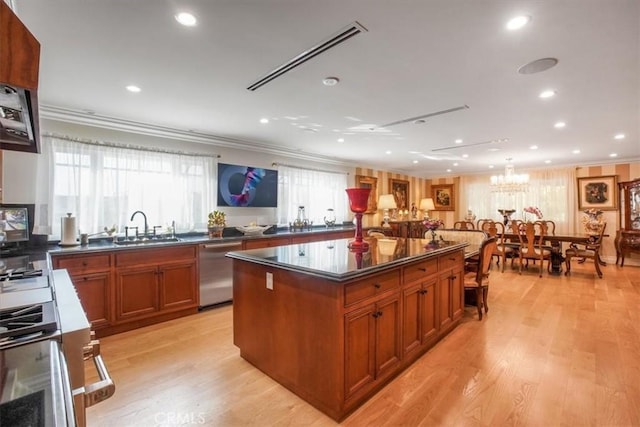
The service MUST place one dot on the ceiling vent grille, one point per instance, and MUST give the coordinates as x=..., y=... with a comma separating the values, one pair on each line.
x=343, y=35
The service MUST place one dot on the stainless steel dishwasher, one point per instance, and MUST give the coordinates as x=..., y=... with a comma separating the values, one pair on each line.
x=216, y=273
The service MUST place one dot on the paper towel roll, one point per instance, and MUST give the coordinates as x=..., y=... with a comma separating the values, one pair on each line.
x=68, y=230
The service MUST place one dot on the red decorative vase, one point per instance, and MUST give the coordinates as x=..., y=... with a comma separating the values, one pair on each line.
x=358, y=202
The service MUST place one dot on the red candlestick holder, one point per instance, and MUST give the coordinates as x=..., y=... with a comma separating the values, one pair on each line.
x=358, y=202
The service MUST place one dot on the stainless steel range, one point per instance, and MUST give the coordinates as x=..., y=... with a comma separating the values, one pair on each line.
x=44, y=340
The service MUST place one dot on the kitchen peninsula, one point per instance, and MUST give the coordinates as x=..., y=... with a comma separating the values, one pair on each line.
x=334, y=326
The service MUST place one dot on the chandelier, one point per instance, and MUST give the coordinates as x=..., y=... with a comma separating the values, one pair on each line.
x=510, y=182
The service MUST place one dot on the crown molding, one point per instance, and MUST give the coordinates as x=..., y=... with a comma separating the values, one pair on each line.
x=68, y=115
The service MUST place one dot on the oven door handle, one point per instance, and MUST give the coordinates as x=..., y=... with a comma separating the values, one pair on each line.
x=100, y=390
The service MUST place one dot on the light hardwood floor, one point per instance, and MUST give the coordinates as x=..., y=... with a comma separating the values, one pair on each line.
x=553, y=351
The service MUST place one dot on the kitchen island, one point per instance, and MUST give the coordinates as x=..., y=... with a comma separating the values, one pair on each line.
x=334, y=326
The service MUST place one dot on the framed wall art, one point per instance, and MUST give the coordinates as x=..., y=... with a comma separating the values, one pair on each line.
x=400, y=190
x=443, y=197
x=372, y=183
x=598, y=192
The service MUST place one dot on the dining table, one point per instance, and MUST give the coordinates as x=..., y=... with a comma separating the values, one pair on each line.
x=555, y=245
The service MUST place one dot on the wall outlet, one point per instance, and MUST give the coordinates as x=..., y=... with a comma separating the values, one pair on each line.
x=270, y=281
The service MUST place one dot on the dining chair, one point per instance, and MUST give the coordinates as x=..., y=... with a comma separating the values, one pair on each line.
x=532, y=245
x=496, y=229
x=463, y=225
x=550, y=227
x=478, y=277
x=376, y=233
x=589, y=250
x=481, y=221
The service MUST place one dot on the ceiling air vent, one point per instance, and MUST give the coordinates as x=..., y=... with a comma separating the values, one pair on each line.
x=420, y=119
x=341, y=36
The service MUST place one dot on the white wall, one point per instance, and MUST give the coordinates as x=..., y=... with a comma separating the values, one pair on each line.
x=19, y=169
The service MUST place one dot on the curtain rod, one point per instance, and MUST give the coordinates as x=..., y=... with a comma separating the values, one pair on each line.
x=129, y=146
x=308, y=169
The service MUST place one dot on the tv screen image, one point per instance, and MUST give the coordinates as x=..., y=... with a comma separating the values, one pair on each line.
x=247, y=186
x=14, y=225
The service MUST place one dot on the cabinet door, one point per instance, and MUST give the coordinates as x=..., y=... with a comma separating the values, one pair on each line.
x=428, y=310
x=445, y=313
x=457, y=294
x=411, y=318
x=137, y=292
x=178, y=286
x=359, y=349
x=94, y=291
x=387, y=335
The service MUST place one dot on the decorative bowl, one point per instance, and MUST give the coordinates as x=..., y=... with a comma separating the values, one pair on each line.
x=252, y=230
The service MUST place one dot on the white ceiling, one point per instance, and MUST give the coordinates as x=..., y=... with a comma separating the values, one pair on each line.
x=417, y=57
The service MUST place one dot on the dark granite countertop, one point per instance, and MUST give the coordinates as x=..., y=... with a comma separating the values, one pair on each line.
x=333, y=259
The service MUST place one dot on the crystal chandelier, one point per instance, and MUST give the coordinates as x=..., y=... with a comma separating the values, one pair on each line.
x=510, y=182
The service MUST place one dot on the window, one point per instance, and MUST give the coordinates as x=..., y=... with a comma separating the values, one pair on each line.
x=317, y=191
x=102, y=185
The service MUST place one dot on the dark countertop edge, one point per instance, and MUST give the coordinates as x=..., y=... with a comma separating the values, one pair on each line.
x=103, y=244
x=335, y=277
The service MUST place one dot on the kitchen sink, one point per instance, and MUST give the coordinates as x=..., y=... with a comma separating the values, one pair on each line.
x=134, y=242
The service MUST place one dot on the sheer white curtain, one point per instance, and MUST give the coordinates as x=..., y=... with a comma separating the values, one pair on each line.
x=316, y=190
x=550, y=190
x=103, y=184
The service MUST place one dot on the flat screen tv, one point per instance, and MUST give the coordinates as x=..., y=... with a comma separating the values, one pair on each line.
x=14, y=225
x=247, y=186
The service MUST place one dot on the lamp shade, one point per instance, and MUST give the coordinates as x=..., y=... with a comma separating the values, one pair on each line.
x=387, y=201
x=427, y=205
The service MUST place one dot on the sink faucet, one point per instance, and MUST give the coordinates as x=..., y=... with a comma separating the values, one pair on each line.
x=146, y=226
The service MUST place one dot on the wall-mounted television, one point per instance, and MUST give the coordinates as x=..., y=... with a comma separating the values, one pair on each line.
x=14, y=225
x=247, y=186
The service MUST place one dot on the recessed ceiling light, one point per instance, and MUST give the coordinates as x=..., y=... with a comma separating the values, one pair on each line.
x=559, y=125
x=464, y=156
x=547, y=94
x=619, y=136
x=388, y=152
x=613, y=155
x=340, y=139
x=518, y=22
x=490, y=166
x=330, y=81
x=533, y=147
x=458, y=141
x=547, y=161
x=415, y=161
x=576, y=151
x=455, y=164
x=448, y=170
x=186, y=19
x=538, y=66
x=264, y=121
x=133, y=88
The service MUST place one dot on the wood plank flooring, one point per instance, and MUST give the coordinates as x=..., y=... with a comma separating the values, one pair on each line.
x=552, y=351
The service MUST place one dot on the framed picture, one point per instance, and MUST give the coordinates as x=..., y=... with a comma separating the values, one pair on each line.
x=400, y=190
x=443, y=197
x=372, y=183
x=598, y=192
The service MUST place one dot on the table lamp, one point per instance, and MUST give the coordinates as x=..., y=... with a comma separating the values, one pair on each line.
x=427, y=205
x=386, y=202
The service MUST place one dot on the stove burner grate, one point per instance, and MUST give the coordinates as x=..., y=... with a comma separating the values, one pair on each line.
x=24, y=323
x=19, y=273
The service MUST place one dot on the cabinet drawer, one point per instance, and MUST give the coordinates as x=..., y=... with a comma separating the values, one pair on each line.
x=84, y=263
x=138, y=257
x=362, y=289
x=266, y=243
x=420, y=270
x=451, y=260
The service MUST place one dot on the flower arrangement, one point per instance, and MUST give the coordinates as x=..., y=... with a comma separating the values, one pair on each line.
x=534, y=210
x=216, y=219
x=593, y=220
x=593, y=212
x=432, y=224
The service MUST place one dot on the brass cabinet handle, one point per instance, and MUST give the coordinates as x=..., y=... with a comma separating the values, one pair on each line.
x=377, y=285
x=101, y=390
x=422, y=269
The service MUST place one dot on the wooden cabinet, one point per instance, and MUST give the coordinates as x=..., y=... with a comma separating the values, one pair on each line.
x=372, y=344
x=91, y=275
x=420, y=316
x=266, y=242
x=125, y=289
x=627, y=239
x=152, y=281
x=450, y=291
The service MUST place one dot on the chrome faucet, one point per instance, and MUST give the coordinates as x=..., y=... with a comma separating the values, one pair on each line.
x=146, y=226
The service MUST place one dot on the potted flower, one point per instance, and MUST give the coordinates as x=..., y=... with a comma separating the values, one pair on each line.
x=216, y=223
x=432, y=225
x=533, y=210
